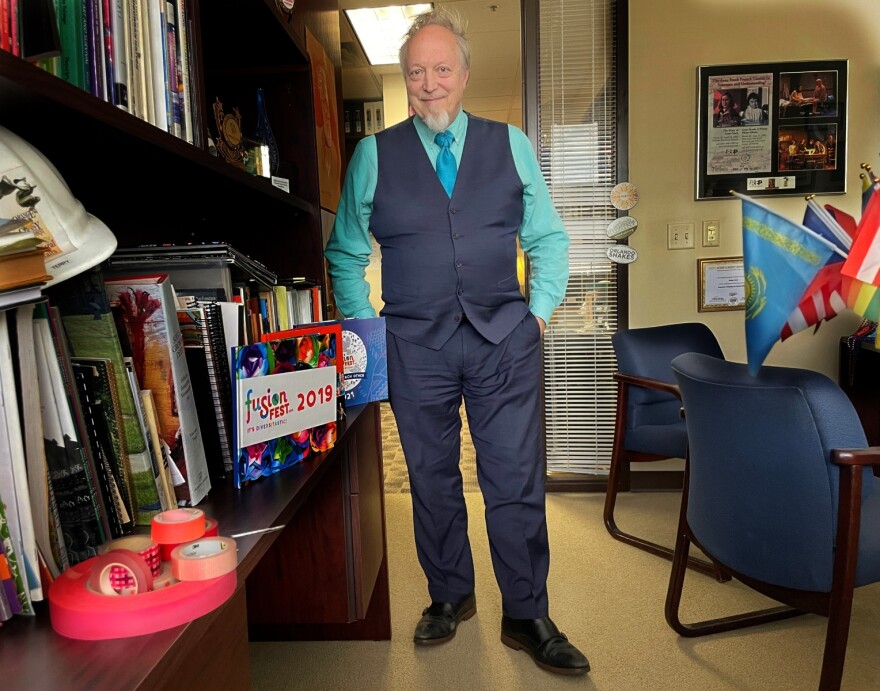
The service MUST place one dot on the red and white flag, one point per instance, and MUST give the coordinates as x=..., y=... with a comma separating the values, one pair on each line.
x=863, y=262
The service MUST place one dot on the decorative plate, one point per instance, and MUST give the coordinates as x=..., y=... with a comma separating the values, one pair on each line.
x=624, y=196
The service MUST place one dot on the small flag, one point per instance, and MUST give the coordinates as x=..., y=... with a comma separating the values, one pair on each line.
x=861, y=298
x=863, y=262
x=780, y=260
x=867, y=189
x=823, y=299
x=844, y=220
x=820, y=220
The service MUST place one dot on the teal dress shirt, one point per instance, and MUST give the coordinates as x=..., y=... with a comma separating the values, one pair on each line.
x=542, y=235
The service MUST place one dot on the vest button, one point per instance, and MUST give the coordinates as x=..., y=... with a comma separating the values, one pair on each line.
x=457, y=265
x=455, y=236
x=453, y=210
x=460, y=291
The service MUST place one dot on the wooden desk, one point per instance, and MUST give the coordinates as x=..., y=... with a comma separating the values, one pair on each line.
x=862, y=391
x=339, y=491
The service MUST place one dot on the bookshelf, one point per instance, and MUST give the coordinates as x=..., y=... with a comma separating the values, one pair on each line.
x=151, y=187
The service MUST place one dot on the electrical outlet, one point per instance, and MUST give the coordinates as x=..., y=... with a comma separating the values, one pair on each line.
x=680, y=236
x=711, y=233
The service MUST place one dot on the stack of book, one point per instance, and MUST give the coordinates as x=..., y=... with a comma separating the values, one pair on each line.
x=22, y=263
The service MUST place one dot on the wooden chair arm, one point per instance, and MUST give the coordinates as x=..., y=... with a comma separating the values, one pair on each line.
x=647, y=383
x=867, y=456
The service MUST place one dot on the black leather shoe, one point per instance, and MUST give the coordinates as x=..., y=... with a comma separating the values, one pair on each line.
x=548, y=647
x=439, y=621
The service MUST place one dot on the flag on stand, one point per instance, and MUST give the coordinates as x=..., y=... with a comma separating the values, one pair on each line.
x=844, y=220
x=780, y=260
x=867, y=189
x=823, y=299
x=863, y=262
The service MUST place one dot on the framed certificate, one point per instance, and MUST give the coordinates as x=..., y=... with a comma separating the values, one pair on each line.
x=771, y=129
x=720, y=284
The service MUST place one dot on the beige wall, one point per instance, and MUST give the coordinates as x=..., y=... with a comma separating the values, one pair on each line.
x=668, y=40
x=395, y=102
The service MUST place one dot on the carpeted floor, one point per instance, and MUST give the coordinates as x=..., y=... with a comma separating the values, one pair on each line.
x=608, y=597
x=396, y=478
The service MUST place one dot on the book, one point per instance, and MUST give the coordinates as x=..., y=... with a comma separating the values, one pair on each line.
x=121, y=41
x=81, y=428
x=70, y=28
x=364, y=358
x=318, y=343
x=149, y=315
x=13, y=473
x=81, y=524
x=156, y=458
x=199, y=360
x=107, y=391
x=19, y=269
x=20, y=296
x=9, y=604
x=89, y=323
x=47, y=530
x=209, y=255
x=161, y=452
x=86, y=380
x=14, y=587
x=154, y=34
x=285, y=402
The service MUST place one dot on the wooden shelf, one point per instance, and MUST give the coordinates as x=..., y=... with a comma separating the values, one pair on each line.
x=36, y=657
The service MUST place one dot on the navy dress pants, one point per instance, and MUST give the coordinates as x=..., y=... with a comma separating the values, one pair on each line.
x=500, y=385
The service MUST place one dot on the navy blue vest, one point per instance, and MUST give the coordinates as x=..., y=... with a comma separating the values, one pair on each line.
x=442, y=257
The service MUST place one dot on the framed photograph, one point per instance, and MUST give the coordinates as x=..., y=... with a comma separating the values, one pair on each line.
x=770, y=129
x=720, y=284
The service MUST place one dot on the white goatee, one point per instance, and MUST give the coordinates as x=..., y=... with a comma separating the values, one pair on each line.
x=437, y=122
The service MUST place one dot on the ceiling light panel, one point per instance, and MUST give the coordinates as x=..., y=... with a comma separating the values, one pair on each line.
x=380, y=30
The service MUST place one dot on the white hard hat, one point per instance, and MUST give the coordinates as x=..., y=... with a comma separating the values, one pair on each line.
x=31, y=187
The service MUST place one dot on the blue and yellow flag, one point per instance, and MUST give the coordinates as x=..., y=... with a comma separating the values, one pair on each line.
x=780, y=259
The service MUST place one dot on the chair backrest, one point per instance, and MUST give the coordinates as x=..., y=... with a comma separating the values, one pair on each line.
x=647, y=352
x=763, y=492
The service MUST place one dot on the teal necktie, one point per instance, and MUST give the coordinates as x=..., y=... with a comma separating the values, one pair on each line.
x=446, y=168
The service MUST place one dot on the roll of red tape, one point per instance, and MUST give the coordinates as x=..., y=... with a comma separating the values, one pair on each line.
x=165, y=578
x=142, y=544
x=120, y=572
x=204, y=559
x=212, y=528
x=77, y=612
x=177, y=526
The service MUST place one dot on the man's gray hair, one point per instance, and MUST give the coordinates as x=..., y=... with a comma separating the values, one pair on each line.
x=448, y=19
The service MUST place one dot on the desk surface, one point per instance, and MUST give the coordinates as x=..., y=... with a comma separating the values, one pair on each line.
x=33, y=656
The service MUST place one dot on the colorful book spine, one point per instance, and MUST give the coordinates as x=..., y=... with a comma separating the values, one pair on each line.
x=73, y=44
x=149, y=315
x=121, y=74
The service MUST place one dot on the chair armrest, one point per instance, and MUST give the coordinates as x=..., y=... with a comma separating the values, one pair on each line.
x=647, y=383
x=867, y=456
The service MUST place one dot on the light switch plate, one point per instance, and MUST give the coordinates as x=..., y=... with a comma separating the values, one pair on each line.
x=680, y=236
x=711, y=233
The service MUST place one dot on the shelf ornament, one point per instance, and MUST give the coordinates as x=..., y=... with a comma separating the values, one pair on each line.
x=263, y=133
x=229, y=139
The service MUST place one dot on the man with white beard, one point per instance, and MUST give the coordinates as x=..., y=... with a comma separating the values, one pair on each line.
x=447, y=195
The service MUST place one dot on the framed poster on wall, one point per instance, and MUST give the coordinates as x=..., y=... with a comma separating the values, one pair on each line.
x=770, y=129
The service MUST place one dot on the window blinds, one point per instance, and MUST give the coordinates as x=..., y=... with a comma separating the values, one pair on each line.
x=577, y=148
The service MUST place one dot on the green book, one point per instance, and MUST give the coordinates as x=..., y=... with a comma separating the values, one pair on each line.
x=70, y=15
x=92, y=333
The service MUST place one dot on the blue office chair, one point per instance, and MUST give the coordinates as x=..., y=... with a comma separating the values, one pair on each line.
x=776, y=494
x=649, y=426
